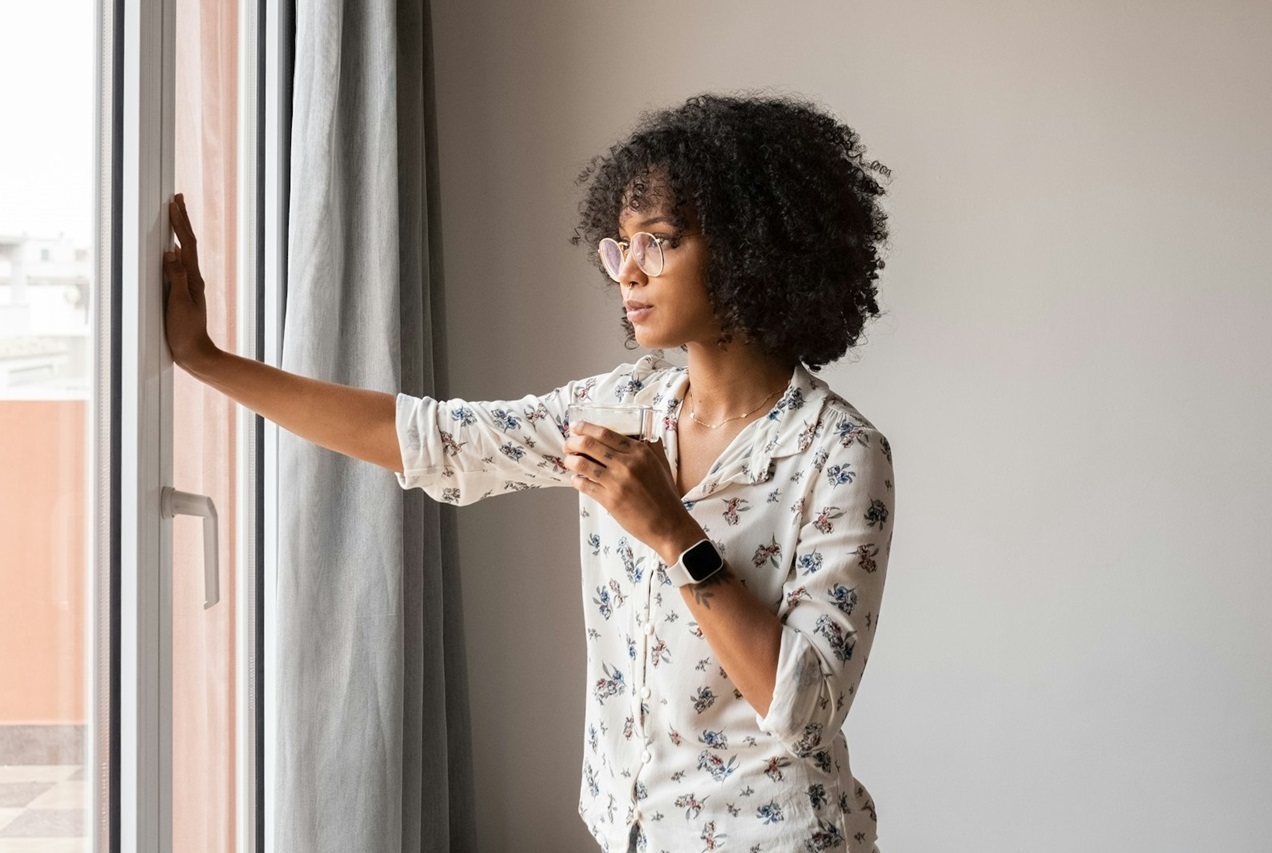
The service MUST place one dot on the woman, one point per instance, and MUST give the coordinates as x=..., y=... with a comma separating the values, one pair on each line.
x=733, y=565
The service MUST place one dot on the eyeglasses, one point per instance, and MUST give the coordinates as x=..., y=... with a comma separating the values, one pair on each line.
x=645, y=248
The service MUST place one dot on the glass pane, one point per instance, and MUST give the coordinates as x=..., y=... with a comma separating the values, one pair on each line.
x=204, y=435
x=47, y=399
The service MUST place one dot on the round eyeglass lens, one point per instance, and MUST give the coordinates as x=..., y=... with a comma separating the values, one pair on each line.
x=649, y=256
x=611, y=257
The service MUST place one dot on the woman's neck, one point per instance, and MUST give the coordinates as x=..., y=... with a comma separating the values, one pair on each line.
x=726, y=383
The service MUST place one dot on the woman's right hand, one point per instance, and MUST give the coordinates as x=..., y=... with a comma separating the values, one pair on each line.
x=185, y=310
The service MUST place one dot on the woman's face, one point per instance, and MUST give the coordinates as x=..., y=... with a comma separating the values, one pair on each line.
x=670, y=309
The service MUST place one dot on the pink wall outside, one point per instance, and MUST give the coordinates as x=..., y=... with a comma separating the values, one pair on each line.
x=43, y=561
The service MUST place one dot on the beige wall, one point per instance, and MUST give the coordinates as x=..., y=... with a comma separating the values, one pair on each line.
x=1073, y=373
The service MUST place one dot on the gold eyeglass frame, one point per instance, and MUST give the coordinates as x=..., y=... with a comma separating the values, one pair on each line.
x=624, y=246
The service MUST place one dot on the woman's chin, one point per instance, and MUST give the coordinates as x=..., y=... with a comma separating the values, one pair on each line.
x=648, y=340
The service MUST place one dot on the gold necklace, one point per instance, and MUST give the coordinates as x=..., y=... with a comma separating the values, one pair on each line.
x=693, y=411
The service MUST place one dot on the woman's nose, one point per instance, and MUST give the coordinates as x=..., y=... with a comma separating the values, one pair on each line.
x=630, y=272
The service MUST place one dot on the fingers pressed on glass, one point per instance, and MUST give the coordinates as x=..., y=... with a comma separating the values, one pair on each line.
x=180, y=219
x=603, y=435
x=579, y=445
x=607, y=443
x=178, y=226
x=588, y=459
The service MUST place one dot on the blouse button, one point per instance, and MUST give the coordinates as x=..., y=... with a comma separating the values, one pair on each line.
x=649, y=628
x=645, y=692
x=645, y=756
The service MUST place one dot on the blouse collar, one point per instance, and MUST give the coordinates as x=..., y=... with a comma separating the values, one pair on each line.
x=787, y=429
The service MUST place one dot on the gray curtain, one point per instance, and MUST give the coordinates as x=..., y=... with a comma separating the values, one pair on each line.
x=373, y=742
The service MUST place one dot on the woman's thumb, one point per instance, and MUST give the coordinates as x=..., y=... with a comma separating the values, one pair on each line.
x=173, y=269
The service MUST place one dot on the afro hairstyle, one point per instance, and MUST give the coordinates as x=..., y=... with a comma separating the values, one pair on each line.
x=788, y=205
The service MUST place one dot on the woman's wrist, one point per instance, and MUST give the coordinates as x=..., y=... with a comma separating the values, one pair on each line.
x=681, y=536
x=202, y=361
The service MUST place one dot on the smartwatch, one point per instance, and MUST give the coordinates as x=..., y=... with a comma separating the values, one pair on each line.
x=696, y=564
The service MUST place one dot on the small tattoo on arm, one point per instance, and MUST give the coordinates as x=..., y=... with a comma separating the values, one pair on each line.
x=702, y=592
x=702, y=597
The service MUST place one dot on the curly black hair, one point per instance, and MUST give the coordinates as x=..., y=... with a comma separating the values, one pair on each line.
x=787, y=203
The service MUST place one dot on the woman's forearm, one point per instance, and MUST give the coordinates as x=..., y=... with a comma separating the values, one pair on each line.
x=743, y=633
x=352, y=421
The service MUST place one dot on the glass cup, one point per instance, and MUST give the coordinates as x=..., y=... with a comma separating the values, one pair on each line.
x=631, y=421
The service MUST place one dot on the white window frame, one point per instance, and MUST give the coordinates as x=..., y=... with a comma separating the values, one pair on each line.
x=145, y=430
x=276, y=36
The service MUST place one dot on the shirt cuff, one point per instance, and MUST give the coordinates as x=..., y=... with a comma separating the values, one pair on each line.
x=796, y=691
x=410, y=446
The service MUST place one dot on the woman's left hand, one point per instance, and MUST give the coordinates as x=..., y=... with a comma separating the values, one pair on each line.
x=632, y=479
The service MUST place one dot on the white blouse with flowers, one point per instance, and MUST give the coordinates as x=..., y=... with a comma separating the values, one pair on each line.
x=800, y=505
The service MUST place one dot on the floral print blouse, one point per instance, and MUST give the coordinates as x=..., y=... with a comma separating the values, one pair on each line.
x=800, y=505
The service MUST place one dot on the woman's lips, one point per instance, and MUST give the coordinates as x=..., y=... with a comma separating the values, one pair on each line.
x=636, y=312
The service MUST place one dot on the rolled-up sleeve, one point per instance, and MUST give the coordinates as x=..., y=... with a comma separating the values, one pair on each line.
x=832, y=596
x=459, y=452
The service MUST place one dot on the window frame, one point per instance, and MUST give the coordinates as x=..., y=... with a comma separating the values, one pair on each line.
x=131, y=744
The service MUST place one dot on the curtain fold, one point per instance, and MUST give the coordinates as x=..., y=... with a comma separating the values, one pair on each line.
x=373, y=741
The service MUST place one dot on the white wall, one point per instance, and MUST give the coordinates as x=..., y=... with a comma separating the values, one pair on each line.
x=1073, y=373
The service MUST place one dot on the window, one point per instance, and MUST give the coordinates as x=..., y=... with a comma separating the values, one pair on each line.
x=127, y=712
x=48, y=396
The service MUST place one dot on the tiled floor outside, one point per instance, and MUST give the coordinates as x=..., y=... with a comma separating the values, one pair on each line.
x=42, y=809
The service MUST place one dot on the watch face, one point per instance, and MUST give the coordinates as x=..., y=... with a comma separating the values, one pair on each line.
x=702, y=561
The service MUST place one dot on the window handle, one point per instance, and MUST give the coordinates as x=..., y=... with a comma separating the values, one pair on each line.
x=174, y=503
